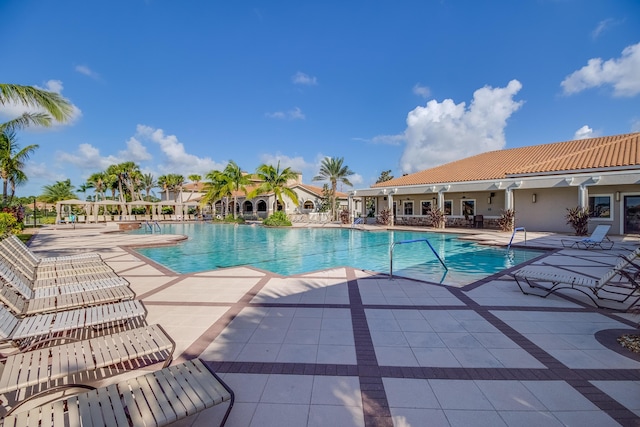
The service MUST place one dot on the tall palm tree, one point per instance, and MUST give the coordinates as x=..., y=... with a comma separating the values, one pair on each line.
x=176, y=181
x=12, y=160
x=274, y=180
x=163, y=182
x=57, y=106
x=195, y=178
x=60, y=190
x=237, y=181
x=218, y=188
x=148, y=182
x=332, y=169
x=97, y=182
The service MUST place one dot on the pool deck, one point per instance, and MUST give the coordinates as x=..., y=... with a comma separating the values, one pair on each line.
x=345, y=347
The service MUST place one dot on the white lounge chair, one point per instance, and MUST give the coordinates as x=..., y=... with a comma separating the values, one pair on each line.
x=597, y=239
x=45, y=365
x=596, y=289
x=155, y=399
x=25, y=306
x=22, y=331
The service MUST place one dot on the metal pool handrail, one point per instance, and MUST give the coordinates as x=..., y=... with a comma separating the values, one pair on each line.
x=392, y=246
x=514, y=233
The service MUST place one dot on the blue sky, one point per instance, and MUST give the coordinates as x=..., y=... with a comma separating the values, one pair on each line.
x=184, y=87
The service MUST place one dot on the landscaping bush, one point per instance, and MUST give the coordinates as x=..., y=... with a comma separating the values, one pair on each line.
x=507, y=220
x=9, y=224
x=278, y=219
x=384, y=217
x=437, y=218
x=578, y=219
x=344, y=216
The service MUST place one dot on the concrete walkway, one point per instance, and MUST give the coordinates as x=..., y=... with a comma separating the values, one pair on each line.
x=347, y=348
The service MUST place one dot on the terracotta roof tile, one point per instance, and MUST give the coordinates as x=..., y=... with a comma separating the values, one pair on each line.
x=610, y=152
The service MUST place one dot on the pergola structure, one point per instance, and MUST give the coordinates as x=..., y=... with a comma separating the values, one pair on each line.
x=92, y=209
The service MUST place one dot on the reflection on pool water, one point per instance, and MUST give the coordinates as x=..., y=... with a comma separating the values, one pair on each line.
x=289, y=251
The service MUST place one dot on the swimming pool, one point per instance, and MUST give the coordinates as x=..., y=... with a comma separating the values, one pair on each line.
x=290, y=251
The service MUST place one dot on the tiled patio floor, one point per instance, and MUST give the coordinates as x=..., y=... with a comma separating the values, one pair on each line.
x=348, y=348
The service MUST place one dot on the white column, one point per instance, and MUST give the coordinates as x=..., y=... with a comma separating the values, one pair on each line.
x=508, y=199
x=583, y=196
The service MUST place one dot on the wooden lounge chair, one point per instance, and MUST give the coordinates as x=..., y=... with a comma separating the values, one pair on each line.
x=596, y=289
x=12, y=241
x=24, y=331
x=37, y=368
x=25, y=306
x=155, y=399
x=598, y=239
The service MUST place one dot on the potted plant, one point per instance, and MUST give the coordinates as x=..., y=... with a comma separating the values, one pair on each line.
x=384, y=216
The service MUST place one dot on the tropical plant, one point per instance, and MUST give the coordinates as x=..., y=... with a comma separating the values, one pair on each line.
x=218, y=188
x=56, y=106
x=275, y=180
x=237, y=180
x=334, y=170
x=437, y=218
x=344, y=216
x=195, y=178
x=9, y=223
x=383, y=217
x=12, y=160
x=277, y=219
x=60, y=190
x=506, y=222
x=578, y=219
x=148, y=182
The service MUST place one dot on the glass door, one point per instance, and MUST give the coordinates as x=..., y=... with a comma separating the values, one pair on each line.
x=632, y=214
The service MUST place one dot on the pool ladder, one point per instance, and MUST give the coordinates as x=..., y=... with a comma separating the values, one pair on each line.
x=152, y=226
x=392, y=246
x=515, y=230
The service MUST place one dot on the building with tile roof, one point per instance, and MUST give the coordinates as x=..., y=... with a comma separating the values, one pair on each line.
x=539, y=182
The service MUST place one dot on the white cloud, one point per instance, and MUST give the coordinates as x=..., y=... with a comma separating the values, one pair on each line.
x=177, y=158
x=295, y=114
x=88, y=157
x=584, y=132
x=12, y=110
x=422, y=91
x=635, y=125
x=383, y=139
x=622, y=73
x=301, y=78
x=298, y=164
x=601, y=27
x=443, y=132
x=83, y=69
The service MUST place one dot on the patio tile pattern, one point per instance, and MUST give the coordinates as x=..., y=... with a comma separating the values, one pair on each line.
x=345, y=347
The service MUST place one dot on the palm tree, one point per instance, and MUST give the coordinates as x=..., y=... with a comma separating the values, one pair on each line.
x=333, y=170
x=163, y=182
x=148, y=182
x=175, y=182
x=57, y=106
x=273, y=180
x=237, y=181
x=97, y=182
x=12, y=160
x=84, y=187
x=218, y=188
x=60, y=190
x=195, y=178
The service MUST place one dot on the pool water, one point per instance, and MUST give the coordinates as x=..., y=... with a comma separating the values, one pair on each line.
x=290, y=251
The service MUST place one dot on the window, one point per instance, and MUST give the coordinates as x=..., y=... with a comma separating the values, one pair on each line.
x=468, y=208
x=448, y=207
x=425, y=207
x=408, y=208
x=395, y=209
x=308, y=204
x=600, y=206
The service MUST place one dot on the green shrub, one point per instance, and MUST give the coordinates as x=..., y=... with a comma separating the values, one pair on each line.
x=47, y=220
x=230, y=218
x=9, y=224
x=578, y=219
x=278, y=219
